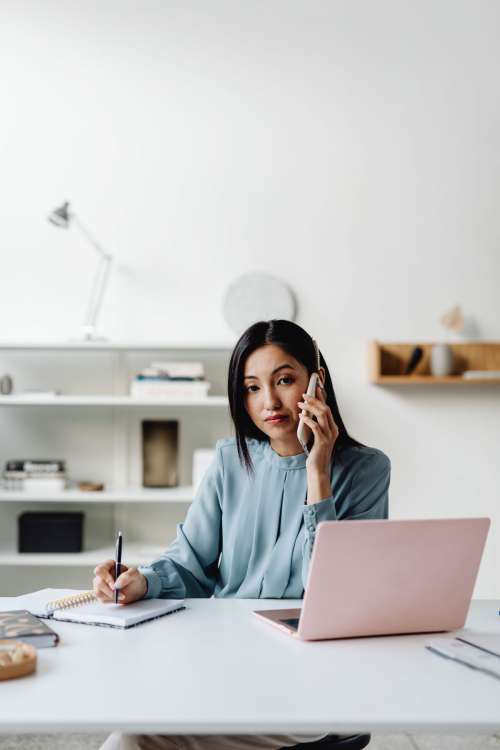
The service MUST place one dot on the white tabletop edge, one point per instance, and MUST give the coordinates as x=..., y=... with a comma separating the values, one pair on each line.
x=410, y=697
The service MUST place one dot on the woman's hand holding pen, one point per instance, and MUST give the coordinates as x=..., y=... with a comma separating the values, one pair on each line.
x=325, y=433
x=132, y=585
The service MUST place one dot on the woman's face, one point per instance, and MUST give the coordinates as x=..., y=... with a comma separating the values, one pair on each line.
x=274, y=382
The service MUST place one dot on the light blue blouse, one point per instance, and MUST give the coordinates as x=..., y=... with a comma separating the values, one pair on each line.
x=252, y=536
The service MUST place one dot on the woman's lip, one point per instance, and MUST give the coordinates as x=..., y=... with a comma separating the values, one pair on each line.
x=277, y=419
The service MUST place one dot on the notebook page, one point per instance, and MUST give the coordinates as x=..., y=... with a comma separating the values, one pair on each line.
x=119, y=615
x=36, y=602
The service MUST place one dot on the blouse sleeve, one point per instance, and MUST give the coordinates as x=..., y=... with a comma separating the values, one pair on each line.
x=367, y=498
x=188, y=567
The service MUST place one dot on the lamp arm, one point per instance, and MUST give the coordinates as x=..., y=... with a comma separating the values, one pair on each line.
x=99, y=285
x=97, y=247
x=100, y=282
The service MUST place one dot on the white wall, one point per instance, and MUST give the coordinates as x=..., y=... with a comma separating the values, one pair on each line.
x=351, y=148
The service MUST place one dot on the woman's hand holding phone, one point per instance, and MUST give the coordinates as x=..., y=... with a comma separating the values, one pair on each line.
x=325, y=432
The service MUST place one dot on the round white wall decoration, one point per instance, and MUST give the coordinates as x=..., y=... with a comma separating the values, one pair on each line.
x=257, y=296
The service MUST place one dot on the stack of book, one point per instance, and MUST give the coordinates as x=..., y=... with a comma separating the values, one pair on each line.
x=171, y=380
x=35, y=475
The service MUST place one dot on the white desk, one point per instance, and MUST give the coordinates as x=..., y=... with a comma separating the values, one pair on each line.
x=215, y=668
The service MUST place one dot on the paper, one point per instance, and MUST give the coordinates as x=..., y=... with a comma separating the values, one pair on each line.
x=487, y=641
x=37, y=601
x=92, y=613
x=119, y=615
x=465, y=653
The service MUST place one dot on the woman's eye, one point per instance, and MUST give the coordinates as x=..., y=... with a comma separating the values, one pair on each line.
x=249, y=388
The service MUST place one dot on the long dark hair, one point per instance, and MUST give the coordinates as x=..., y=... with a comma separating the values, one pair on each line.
x=298, y=343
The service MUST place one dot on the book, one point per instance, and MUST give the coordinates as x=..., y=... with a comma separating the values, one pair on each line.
x=169, y=389
x=180, y=369
x=162, y=378
x=72, y=605
x=36, y=466
x=17, y=480
x=21, y=625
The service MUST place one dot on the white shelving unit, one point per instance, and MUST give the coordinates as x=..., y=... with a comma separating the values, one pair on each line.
x=95, y=425
x=136, y=555
x=117, y=495
x=108, y=400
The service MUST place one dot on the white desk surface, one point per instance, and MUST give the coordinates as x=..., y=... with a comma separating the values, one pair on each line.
x=216, y=668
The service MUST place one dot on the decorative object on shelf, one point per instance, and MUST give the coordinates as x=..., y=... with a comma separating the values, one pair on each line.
x=415, y=358
x=202, y=458
x=257, y=296
x=44, y=531
x=44, y=476
x=91, y=486
x=17, y=659
x=159, y=453
x=6, y=385
x=442, y=360
x=171, y=380
x=453, y=320
x=63, y=217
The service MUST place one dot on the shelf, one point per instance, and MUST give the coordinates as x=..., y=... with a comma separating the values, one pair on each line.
x=136, y=554
x=181, y=494
x=388, y=362
x=39, y=400
x=116, y=345
x=432, y=380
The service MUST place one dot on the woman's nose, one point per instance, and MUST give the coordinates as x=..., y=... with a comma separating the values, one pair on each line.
x=271, y=400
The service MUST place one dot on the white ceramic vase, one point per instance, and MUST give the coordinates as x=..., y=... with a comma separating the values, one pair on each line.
x=442, y=360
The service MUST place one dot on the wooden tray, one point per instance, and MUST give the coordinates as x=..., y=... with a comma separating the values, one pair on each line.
x=22, y=668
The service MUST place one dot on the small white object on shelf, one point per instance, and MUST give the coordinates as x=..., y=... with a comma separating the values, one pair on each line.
x=480, y=374
x=202, y=458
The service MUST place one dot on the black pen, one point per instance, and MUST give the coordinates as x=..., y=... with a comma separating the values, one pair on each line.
x=118, y=561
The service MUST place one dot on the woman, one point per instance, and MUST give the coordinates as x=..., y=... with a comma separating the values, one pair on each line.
x=250, y=529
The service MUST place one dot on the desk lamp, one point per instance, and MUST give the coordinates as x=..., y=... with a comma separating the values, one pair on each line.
x=63, y=217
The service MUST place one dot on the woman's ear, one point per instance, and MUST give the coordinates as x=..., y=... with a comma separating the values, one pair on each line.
x=322, y=375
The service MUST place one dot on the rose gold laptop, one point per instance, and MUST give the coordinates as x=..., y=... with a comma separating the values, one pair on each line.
x=387, y=577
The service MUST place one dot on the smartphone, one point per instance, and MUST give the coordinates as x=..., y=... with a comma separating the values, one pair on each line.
x=304, y=433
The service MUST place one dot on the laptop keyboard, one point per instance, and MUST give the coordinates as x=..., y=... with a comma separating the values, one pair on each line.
x=293, y=622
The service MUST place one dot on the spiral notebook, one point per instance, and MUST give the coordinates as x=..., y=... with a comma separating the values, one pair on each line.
x=71, y=605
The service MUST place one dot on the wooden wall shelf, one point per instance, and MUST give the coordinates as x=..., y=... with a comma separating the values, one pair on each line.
x=388, y=362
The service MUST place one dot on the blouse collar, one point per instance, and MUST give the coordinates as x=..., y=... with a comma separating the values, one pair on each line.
x=283, y=462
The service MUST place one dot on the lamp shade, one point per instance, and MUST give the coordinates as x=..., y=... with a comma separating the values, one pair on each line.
x=61, y=216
